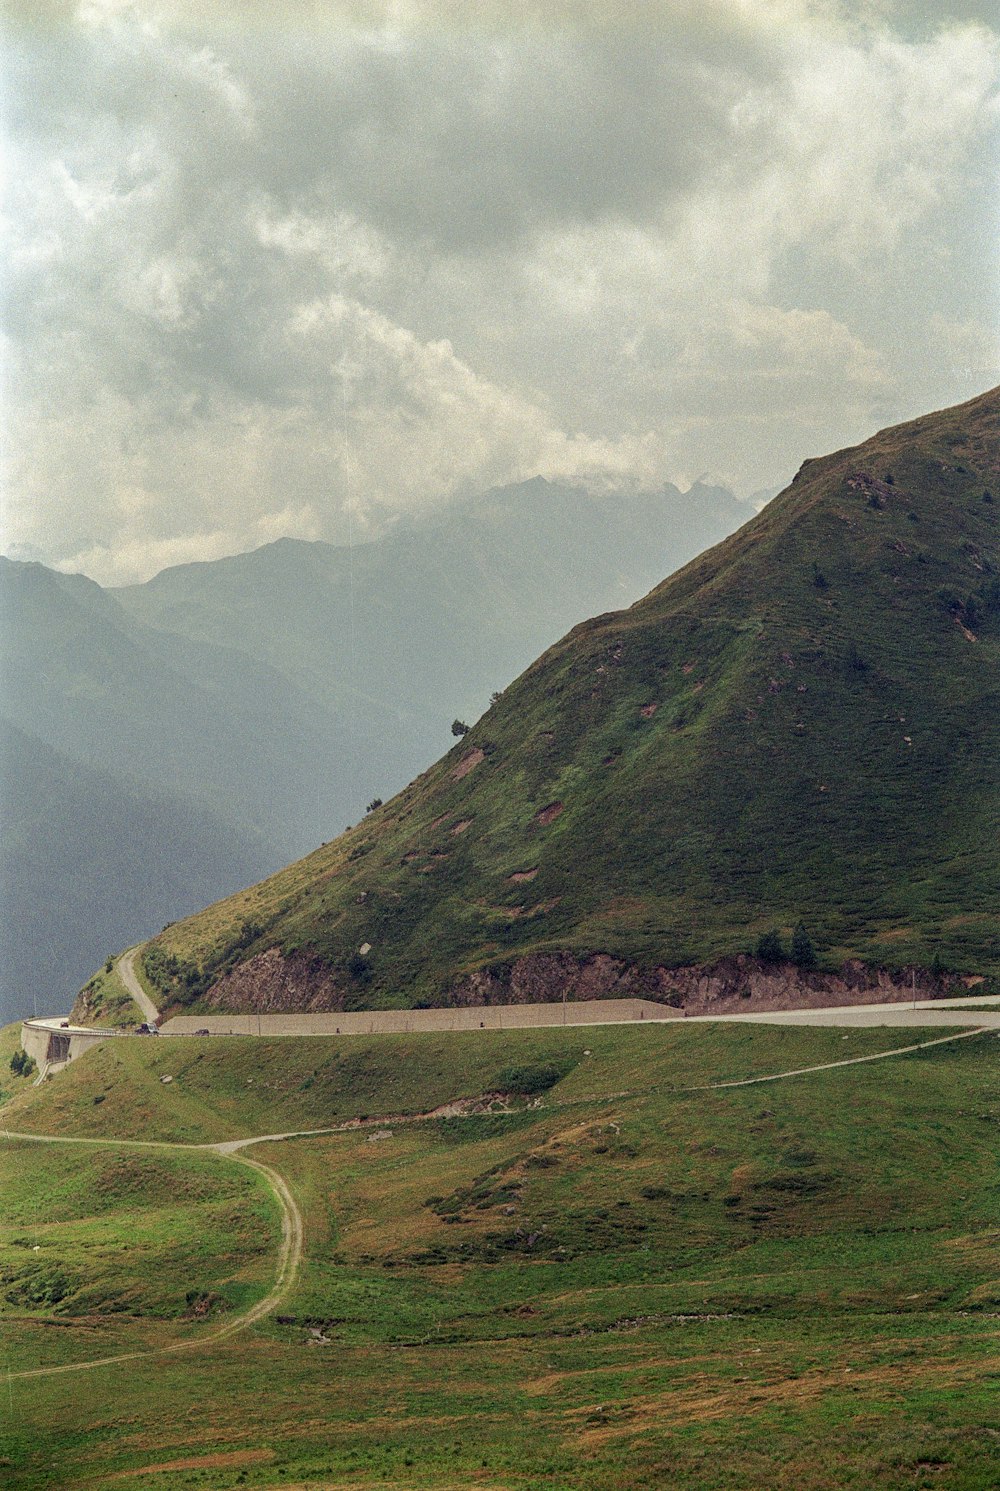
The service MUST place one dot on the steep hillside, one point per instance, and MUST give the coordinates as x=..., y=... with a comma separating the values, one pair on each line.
x=231, y=715
x=803, y=725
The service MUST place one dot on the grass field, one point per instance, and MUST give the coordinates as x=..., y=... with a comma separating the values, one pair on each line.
x=635, y=1283
x=105, y=1249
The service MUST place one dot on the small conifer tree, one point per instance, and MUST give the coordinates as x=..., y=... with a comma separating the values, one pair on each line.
x=770, y=948
x=803, y=952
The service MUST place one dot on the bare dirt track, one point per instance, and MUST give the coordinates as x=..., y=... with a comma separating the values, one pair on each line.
x=127, y=974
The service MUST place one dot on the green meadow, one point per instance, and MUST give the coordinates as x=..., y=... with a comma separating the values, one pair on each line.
x=628, y=1279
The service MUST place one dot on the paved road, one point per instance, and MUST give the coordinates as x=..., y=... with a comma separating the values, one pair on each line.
x=127, y=974
x=579, y=1013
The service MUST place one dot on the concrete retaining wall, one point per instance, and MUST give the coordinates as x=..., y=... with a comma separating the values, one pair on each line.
x=390, y=1022
x=55, y=1041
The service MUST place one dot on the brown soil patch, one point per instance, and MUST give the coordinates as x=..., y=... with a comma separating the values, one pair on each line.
x=467, y=764
x=740, y=1179
x=648, y=710
x=520, y=875
x=224, y=1460
x=705, y=1401
x=462, y=825
x=549, y=814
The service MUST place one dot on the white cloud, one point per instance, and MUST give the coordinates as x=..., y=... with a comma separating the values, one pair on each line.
x=263, y=275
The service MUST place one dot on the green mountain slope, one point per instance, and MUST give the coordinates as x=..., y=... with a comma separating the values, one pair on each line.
x=801, y=725
x=232, y=714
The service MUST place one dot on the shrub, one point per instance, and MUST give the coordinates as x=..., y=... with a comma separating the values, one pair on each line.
x=528, y=1080
x=770, y=948
x=459, y=727
x=21, y=1064
x=359, y=968
x=376, y=802
x=803, y=952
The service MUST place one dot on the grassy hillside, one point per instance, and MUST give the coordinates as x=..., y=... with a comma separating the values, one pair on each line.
x=167, y=743
x=640, y=1282
x=96, y=1255
x=803, y=725
x=225, y=1088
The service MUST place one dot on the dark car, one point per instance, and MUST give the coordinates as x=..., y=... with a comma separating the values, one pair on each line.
x=145, y=1029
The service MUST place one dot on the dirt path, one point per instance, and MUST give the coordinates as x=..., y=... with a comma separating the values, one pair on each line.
x=828, y=1066
x=126, y=972
x=289, y=1259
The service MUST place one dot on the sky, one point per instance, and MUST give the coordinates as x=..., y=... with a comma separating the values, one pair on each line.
x=296, y=269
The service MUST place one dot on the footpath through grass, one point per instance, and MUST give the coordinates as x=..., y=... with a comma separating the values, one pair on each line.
x=634, y=1284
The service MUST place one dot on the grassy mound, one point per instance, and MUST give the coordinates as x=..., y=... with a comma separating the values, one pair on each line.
x=104, y=1248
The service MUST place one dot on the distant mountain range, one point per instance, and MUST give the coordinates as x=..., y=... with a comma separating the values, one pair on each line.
x=800, y=729
x=166, y=743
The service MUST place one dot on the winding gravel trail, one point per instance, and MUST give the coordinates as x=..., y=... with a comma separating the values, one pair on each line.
x=125, y=968
x=289, y=1258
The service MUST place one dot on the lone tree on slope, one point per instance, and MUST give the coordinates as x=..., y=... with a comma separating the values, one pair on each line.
x=803, y=952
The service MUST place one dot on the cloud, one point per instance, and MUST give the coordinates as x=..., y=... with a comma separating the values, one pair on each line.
x=268, y=273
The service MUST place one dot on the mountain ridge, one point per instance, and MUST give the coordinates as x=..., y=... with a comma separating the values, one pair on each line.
x=800, y=725
x=234, y=690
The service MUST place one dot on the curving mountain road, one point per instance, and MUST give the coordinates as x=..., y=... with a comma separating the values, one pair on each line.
x=125, y=968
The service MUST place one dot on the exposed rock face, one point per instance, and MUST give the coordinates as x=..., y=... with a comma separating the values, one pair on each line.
x=733, y=984
x=273, y=982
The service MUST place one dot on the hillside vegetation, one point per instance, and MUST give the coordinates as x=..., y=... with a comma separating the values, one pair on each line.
x=167, y=743
x=801, y=726
x=629, y=1280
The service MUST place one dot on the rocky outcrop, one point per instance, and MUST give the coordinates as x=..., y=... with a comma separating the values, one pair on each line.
x=275, y=982
x=730, y=985
x=271, y=981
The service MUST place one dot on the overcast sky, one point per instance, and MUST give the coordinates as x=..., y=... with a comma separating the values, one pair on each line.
x=276, y=266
